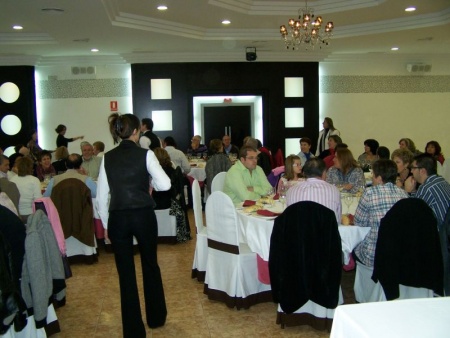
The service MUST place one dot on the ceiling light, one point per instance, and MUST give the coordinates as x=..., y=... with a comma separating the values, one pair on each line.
x=226, y=22
x=17, y=27
x=94, y=50
x=395, y=48
x=307, y=30
x=410, y=9
x=162, y=8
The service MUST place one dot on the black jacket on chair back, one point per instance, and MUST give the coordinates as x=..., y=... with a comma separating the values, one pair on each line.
x=128, y=177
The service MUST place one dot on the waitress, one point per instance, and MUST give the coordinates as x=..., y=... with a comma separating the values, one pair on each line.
x=61, y=140
x=124, y=173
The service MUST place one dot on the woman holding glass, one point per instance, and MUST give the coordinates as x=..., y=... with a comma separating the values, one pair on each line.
x=125, y=175
x=346, y=171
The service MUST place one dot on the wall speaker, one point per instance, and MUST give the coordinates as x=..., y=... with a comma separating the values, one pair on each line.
x=418, y=68
x=250, y=53
x=90, y=70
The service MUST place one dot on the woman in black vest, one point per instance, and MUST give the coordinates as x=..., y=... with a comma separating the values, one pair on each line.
x=124, y=173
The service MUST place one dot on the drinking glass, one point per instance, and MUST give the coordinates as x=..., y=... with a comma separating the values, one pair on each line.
x=283, y=190
x=348, y=200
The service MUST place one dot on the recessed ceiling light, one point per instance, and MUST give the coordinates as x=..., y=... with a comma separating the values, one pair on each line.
x=162, y=8
x=395, y=48
x=226, y=22
x=410, y=9
x=94, y=50
x=17, y=27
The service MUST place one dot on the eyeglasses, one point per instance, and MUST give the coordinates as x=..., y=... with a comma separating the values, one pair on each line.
x=296, y=165
x=251, y=158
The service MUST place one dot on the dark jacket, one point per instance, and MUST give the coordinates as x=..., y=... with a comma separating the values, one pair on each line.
x=305, y=260
x=408, y=250
x=154, y=140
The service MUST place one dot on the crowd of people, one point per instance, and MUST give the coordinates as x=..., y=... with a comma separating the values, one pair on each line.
x=139, y=181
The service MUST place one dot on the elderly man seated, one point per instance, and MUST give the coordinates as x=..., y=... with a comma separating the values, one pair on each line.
x=245, y=180
x=196, y=147
x=91, y=163
x=73, y=164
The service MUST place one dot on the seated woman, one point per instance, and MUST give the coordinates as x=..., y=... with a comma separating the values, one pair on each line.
x=403, y=159
x=433, y=148
x=45, y=167
x=216, y=163
x=61, y=155
x=370, y=154
x=407, y=143
x=328, y=155
x=167, y=199
x=292, y=174
x=29, y=186
x=346, y=171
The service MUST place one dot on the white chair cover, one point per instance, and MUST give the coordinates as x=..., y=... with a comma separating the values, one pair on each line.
x=201, y=245
x=367, y=291
x=231, y=271
x=167, y=226
x=75, y=248
x=218, y=182
x=445, y=170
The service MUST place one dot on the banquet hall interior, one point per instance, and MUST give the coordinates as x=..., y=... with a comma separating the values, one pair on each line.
x=383, y=74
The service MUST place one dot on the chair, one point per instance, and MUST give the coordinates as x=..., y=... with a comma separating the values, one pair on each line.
x=167, y=226
x=305, y=265
x=444, y=235
x=218, y=181
x=201, y=245
x=408, y=259
x=231, y=271
x=72, y=198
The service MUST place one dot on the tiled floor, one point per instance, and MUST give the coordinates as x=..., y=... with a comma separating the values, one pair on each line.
x=93, y=304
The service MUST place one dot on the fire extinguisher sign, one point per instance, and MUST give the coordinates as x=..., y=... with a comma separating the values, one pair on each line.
x=113, y=106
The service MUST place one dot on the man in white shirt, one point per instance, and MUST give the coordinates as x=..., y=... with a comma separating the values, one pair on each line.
x=176, y=156
x=99, y=148
x=316, y=189
x=148, y=140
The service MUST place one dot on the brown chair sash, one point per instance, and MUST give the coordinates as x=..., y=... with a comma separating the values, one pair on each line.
x=232, y=249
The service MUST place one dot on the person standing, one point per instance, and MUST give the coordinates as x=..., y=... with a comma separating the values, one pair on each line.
x=124, y=174
x=61, y=140
x=324, y=134
x=149, y=140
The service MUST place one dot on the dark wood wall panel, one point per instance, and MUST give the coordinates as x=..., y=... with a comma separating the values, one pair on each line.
x=242, y=78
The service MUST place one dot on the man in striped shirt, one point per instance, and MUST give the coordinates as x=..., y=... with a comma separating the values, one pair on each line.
x=434, y=189
x=315, y=188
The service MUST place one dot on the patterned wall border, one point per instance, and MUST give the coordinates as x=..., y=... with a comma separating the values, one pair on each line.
x=64, y=89
x=384, y=84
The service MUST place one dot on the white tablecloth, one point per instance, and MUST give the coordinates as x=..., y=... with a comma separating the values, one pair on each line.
x=256, y=232
x=198, y=173
x=426, y=317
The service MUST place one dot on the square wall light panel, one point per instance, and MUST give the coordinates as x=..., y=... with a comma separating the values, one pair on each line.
x=161, y=89
x=294, y=117
x=293, y=87
x=292, y=146
x=162, y=120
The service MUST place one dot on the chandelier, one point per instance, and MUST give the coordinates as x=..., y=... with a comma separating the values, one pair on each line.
x=307, y=30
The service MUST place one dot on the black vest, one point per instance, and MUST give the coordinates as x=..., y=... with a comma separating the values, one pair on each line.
x=128, y=178
x=154, y=140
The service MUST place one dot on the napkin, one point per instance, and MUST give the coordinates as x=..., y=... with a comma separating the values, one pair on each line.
x=268, y=213
x=276, y=197
x=248, y=203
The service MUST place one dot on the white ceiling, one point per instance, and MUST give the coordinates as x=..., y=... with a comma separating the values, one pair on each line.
x=131, y=31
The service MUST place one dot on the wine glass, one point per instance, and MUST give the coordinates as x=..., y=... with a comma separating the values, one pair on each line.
x=270, y=194
x=283, y=190
x=348, y=200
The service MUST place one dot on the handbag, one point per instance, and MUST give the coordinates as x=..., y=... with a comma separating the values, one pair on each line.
x=67, y=269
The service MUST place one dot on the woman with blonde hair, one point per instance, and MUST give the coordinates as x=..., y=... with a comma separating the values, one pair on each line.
x=346, y=171
x=292, y=172
x=403, y=158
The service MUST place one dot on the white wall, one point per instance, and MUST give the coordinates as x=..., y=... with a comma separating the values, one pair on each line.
x=422, y=115
x=86, y=114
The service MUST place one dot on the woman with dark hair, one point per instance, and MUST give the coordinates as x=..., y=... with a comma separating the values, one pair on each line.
x=216, y=163
x=168, y=199
x=29, y=186
x=45, y=167
x=61, y=140
x=370, y=154
x=324, y=135
x=125, y=175
x=346, y=171
x=33, y=145
x=434, y=148
x=328, y=154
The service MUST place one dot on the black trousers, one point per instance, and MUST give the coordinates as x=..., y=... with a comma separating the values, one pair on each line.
x=122, y=226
